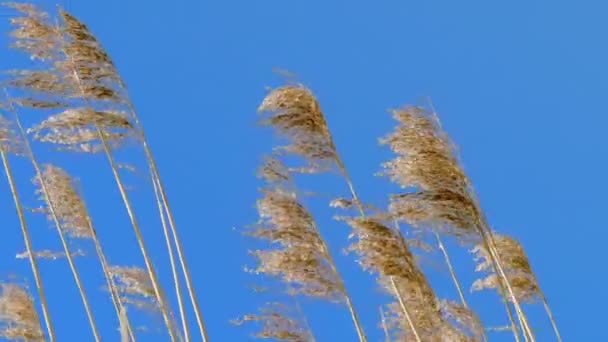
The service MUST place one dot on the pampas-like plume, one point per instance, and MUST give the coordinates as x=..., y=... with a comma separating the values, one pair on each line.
x=11, y=143
x=518, y=270
x=294, y=112
x=278, y=321
x=18, y=317
x=80, y=74
x=301, y=259
x=443, y=199
x=75, y=220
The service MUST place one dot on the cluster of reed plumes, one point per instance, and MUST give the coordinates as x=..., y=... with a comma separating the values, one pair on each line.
x=437, y=203
x=75, y=86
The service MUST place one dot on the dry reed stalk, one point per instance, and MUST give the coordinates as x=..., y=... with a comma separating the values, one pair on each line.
x=107, y=69
x=302, y=258
x=9, y=144
x=45, y=196
x=519, y=271
x=296, y=114
x=444, y=200
x=76, y=221
x=387, y=335
x=279, y=322
x=18, y=317
x=176, y=283
x=80, y=71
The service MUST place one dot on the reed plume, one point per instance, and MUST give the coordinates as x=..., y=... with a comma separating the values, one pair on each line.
x=80, y=74
x=18, y=317
x=442, y=198
x=298, y=253
x=294, y=112
x=10, y=143
x=73, y=215
x=279, y=321
x=519, y=271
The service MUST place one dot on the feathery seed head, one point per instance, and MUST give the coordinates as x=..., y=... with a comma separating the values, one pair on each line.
x=279, y=322
x=18, y=317
x=295, y=113
x=66, y=201
x=76, y=129
x=516, y=265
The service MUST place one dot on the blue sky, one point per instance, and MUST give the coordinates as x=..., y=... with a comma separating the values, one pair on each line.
x=517, y=85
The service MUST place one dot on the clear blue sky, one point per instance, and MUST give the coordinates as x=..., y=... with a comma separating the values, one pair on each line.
x=518, y=86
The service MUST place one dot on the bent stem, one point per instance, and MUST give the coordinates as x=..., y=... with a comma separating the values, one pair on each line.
x=178, y=290
x=490, y=245
x=64, y=243
x=28, y=246
x=406, y=312
x=551, y=318
x=156, y=179
x=123, y=318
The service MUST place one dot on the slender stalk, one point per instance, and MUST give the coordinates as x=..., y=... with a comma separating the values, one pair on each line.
x=163, y=197
x=485, y=233
x=64, y=243
x=359, y=205
x=125, y=198
x=488, y=239
x=118, y=305
x=551, y=318
x=448, y=262
x=405, y=310
x=387, y=336
x=176, y=282
x=28, y=246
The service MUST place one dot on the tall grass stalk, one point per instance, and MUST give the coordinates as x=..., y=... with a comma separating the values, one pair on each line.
x=28, y=151
x=28, y=245
x=176, y=281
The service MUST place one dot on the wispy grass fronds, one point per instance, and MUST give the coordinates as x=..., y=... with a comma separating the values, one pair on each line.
x=18, y=317
x=80, y=75
x=466, y=323
x=440, y=196
x=135, y=287
x=294, y=112
x=297, y=254
x=48, y=254
x=516, y=265
x=10, y=142
x=280, y=322
x=76, y=129
x=69, y=208
x=72, y=213
x=519, y=271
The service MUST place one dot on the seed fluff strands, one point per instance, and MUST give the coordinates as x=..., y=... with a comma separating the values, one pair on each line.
x=44, y=195
x=518, y=270
x=18, y=317
x=87, y=51
x=9, y=142
x=296, y=114
x=443, y=198
x=278, y=321
x=82, y=74
x=301, y=257
x=425, y=161
x=75, y=220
